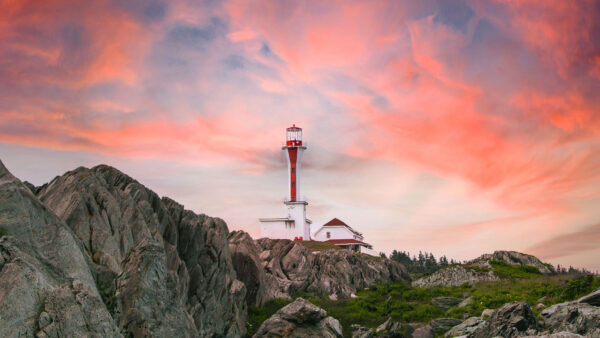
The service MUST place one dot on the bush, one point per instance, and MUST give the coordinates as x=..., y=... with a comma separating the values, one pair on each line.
x=3, y=232
x=257, y=315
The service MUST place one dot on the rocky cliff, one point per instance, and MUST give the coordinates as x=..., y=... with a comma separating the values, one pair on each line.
x=278, y=268
x=95, y=253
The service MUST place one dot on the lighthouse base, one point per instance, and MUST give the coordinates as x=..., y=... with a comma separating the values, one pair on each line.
x=295, y=226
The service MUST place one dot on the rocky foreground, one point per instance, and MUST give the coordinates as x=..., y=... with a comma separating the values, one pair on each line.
x=95, y=253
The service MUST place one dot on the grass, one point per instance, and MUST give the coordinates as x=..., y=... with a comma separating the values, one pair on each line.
x=3, y=232
x=505, y=270
x=413, y=305
x=319, y=246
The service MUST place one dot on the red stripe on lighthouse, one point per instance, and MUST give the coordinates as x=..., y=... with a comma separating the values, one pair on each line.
x=293, y=154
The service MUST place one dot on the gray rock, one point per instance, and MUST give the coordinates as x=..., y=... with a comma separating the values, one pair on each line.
x=361, y=332
x=249, y=269
x=512, y=319
x=300, y=319
x=445, y=302
x=44, y=269
x=391, y=328
x=466, y=327
x=291, y=269
x=441, y=325
x=540, y=306
x=423, y=332
x=513, y=258
x=456, y=275
x=580, y=318
x=592, y=298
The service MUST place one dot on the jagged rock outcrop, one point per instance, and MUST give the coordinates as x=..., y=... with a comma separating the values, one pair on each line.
x=511, y=320
x=46, y=279
x=117, y=255
x=300, y=319
x=513, y=258
x=423, y=332
x=579, y=318
x=456, y=275
x=292, y=269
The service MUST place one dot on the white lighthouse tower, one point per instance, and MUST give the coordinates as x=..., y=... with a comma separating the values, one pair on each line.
x=295, y=226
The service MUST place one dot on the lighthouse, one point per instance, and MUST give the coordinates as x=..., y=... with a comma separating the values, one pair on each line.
x=295, y=225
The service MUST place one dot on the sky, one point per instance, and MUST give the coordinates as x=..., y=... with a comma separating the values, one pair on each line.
x=453, y=127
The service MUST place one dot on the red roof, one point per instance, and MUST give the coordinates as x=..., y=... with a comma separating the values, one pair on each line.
x=334, y=222
x=294, y=127
x=347, y=241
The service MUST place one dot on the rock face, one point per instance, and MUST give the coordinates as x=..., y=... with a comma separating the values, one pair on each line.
x=300, y=319
x=290, y=268
x=511, y=320
x=96, y=253
x=455, y=276
x=391, y=328
x=46, y=279
x=361, y=332
x=580, y=318
x=511, y=257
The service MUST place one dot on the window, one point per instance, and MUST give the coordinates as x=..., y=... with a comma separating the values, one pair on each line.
x=293, y=184
x=328, y=234
x=293, y=170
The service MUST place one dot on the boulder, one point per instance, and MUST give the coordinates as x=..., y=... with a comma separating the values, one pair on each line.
x=361, y=332
x=423, y=332
x=441, y=325
x=540, y=306
x=465, y=328
x=580, y=318
x=592, y=298
x=300, y=319
x=445, y=302
x=512, y=319
x=563, y=334
x=455, y=275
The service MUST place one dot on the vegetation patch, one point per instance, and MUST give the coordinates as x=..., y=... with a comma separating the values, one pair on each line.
x=413, y=305
x=3, y=232
x=319, y=246
x=257, y=315
x=505, y=270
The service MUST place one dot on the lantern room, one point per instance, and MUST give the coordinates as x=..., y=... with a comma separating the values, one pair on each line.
x=293, y=136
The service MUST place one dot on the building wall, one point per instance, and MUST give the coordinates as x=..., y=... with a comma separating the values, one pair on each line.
x=337, y=232
x=297, y=211
x=278, y=230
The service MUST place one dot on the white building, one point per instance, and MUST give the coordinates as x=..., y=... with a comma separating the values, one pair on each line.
x=342, y=235
x=295, y=225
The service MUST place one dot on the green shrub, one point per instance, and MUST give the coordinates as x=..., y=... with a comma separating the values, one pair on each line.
x=3, y=232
